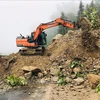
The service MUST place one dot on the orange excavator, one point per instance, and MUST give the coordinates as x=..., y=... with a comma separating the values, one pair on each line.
x=37, y=40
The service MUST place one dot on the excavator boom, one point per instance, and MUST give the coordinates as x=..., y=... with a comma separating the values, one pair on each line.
x=54, y=23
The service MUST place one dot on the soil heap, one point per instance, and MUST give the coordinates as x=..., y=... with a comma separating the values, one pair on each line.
x=66, y=48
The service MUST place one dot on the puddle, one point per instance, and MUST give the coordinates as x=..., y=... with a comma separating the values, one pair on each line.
x=24, y=94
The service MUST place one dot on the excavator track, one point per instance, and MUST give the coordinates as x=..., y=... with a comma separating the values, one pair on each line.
x=40, y=50
x=28, y=51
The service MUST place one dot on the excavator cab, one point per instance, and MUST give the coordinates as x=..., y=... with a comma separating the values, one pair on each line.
x=30, y=38
x=41, y=40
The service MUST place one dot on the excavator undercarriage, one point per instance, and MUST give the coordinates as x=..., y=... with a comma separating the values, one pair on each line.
x=31, y=51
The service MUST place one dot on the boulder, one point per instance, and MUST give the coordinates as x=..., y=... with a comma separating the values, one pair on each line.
x=31, y=69
x=53, y=71
x=40, y=75
x=79, y=80
x=93, y=80
x=28, y=75
x=97, y=67
x=76, y=70
x=68, y=80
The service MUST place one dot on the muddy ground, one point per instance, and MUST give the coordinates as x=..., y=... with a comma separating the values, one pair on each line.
x=52, y=92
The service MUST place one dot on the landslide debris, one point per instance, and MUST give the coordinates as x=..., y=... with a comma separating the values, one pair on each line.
x=75, y=46
x=59, y=54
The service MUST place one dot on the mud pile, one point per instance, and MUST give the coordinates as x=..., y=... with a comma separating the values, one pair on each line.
x=72, y=46
x=58, y=53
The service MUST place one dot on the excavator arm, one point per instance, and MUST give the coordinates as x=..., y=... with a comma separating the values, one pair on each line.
x=54, y=23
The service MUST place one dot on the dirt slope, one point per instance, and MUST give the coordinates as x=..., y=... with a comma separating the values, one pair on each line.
x=59, y=53
x=66, y=48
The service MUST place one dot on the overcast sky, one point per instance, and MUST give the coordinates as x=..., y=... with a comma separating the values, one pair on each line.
x=24, y=16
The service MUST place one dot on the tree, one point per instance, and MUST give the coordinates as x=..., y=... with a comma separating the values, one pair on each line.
x=92, y=4
x=80, y=11
x=62, y=30
x=97, y=5
x=91, y=14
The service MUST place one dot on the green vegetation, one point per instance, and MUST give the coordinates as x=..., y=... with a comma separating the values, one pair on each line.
x=91, y=14
x=14, y=81
x=79, y=75
x=91, y=11
x=76, y=63
x=61, y=78
x=98, y=88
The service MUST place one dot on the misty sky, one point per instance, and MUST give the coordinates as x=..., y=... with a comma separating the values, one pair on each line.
x=24, y=16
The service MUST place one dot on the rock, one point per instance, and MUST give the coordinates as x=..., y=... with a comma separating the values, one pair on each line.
x=79, y=80
x=47, y=79
x=53, y=71
x=98, y=43
x=62, y=59
x=93, y=80
x=29, y=93
x=76, y=70
x=45, y=72
x=73, y=76
x=97, y=67
x=68, y=63
x=68, y=80
x=60, y=67
x=42, y=81
x=22, y=77
x=63, y=70
x=31, y=69
x=70, y=31
x=49, y=54
x=54, y=64
x=54, y=79
x=40, y=75
x=58, y=36
x=28, y=75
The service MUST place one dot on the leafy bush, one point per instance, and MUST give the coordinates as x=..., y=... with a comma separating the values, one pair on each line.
x=75, y=63
x=91, y=14
x=98, y=88
x=14, y=80
x=61, y=78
